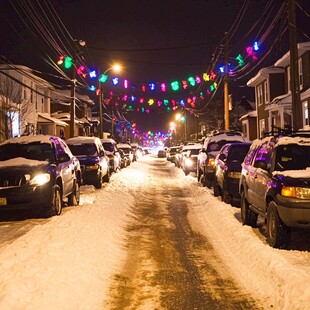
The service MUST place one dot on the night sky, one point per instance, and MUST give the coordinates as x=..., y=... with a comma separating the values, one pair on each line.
x=157, y=41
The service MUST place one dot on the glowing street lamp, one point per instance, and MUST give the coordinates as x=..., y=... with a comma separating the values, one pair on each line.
x=116, y=68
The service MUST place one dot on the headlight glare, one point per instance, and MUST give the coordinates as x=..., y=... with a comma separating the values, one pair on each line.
x=40, y=179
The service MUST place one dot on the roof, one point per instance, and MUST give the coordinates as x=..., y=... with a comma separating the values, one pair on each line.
x=263, y=74
x=192, y=146
x=285, y=60
x=46, y=118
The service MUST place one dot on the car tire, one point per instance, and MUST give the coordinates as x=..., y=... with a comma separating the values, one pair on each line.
x=186, y=172
x=74, y=197
x=106, y=177
x=55, y=207
x=198, y=175
x=207, y=182
x=216, y=189
x=225, y=196
x=248, y=217
x=98, y=183
x=278, y=233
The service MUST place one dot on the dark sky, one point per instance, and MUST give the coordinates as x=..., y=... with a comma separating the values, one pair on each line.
x=154, y=40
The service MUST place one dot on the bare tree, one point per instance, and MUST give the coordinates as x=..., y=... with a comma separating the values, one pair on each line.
x=13, y=107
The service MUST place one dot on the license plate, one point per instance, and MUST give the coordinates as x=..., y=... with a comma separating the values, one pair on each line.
x=3, y=201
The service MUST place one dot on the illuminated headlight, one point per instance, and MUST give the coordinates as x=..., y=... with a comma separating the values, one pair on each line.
x=40, y=179
x=211, y=162
x=93, y=167
x=234, y=175
x=296, y=192
x=188, y=162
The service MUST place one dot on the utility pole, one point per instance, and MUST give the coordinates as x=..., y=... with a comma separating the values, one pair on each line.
x=226, y=92
x=100, y=110
x=294, y=75
x=72, y=106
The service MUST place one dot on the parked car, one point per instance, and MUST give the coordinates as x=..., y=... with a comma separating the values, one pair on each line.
x=171, y=153
x=112, y=152
x=124, y=159
x=137, y=151
x=127, y=150
x=275, y=184
x=227, y=171
x=189, y=158
x=38, y=173
x=94, y=162
x=209, y=150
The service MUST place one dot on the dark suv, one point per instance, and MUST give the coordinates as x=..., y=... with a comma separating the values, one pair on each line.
x=211, y=147
x=94, y=162
x=275, y=184
x=227, y=171
x=37, y=173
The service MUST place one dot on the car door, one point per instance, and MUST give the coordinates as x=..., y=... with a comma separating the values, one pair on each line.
x=221, y=166
x=66, y=169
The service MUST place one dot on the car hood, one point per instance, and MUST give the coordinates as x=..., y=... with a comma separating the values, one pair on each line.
x=22, y=164
x=299, y=178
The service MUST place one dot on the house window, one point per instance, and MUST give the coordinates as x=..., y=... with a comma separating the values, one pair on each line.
x=266, y=90
x=305, y=113
x=300, y=73
x=259, y=94
x=262, y=127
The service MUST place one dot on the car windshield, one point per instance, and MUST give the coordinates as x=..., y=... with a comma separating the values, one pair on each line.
x=35, y=151
x=125, y=150
x=194, y=151
x=238, y=153
x=292, y=157
x=83, y=149
x=108, y=146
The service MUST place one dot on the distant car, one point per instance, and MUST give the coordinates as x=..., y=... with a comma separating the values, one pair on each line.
x=128, y=152
x=275, y=185
x=112, y=152
x=94, y=162
x=209, y=150
x=171, y=153
x=189, y=158
x=161, y=154
x=38, y=173
x=227, y=171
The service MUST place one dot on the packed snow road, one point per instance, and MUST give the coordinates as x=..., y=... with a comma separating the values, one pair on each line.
x=168, y=265
x=151, y=238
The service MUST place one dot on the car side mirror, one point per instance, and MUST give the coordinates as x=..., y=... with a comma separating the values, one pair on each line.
x=222, y=157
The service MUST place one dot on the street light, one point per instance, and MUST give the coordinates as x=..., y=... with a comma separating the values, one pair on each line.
x=115, y=68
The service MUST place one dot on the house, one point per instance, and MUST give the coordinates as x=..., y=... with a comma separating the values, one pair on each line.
x=273, y=95
x=60, y=109
x=25, y=103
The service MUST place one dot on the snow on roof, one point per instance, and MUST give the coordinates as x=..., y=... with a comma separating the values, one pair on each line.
x=21, y=161
x=83, y=139
x=261, y=75
x=108, y=140
x=192, y=146
x=293, y=140
x=285, y=60
x=28, y=139
x=122, y=145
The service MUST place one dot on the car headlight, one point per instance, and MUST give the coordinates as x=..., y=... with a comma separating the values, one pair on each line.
x=211, y=162
x=40, y=179
x=296, y=192
x=188, y=162
x=234, y=175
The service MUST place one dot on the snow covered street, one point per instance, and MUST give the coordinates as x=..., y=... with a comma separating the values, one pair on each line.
x=71, y=261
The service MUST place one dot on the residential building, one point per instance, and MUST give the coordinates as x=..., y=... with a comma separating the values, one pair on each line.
x=273, y=95
x=25, y=103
